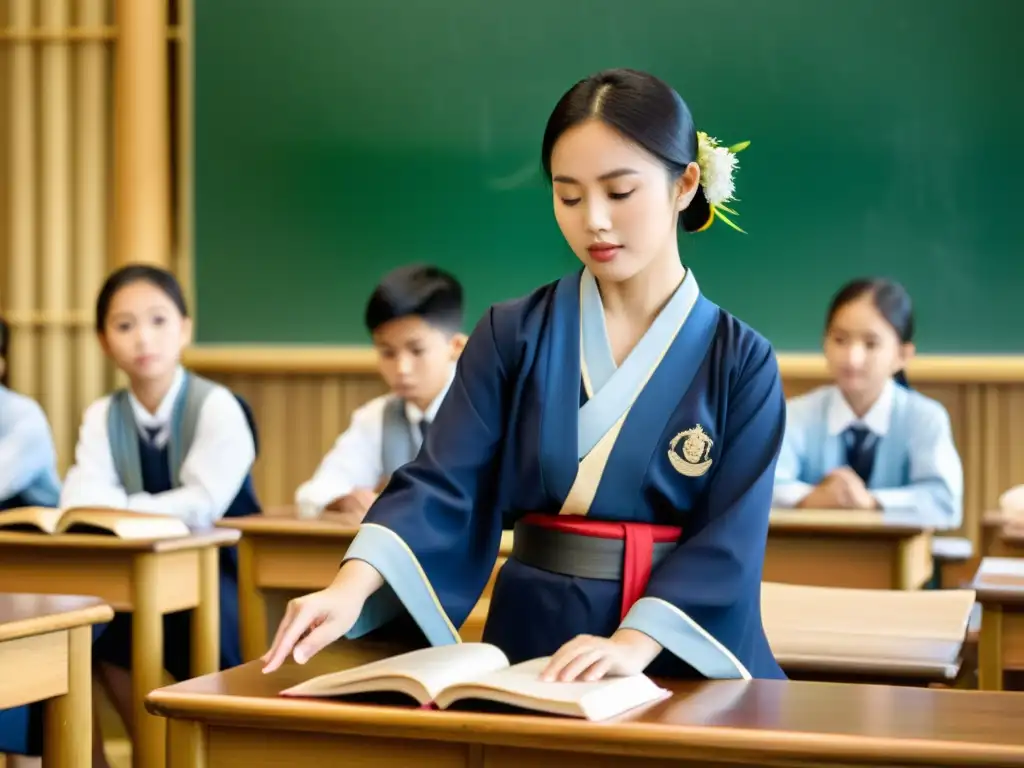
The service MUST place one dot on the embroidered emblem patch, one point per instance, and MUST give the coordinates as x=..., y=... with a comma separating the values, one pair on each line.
x=693, y=458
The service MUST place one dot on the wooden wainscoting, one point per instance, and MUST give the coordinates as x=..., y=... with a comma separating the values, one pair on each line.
x=303, y=398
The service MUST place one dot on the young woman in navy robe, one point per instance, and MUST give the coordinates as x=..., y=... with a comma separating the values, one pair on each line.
x=620, y=421
x=171, y=443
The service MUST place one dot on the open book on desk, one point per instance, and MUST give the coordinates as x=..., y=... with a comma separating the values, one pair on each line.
x=443, y=675
x=123, y=524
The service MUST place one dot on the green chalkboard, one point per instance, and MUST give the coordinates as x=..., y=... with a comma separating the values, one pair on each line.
x=336, y=139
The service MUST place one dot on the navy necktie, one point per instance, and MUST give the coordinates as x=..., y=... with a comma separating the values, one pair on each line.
x=151, y=434
x=860, y=451
x=424, y=428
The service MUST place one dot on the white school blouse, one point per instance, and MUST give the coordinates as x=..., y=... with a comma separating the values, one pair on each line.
x=221, y=456
x=27, y=453
x=355, y=460
x=917, y=468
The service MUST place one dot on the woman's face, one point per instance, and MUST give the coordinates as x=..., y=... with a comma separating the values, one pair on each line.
x=862, y=349
x=145, y=332
x=616, y=204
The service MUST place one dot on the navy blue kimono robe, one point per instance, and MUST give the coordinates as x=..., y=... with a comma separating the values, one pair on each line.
x=685, y=432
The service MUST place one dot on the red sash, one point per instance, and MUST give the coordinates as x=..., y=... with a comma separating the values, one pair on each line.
x=639, y=541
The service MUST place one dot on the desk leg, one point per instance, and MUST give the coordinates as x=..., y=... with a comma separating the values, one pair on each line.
x=914, y=564
x=186, y=744
x=206, y=616
x=252, y=609
x=990, y=649
x=147, y=662
x=67, y=739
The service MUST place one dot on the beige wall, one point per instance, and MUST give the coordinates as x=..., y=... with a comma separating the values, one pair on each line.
x=303, y=398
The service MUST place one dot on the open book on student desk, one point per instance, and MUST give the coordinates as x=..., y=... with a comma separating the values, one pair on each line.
x=96, y=520
x=443, y=675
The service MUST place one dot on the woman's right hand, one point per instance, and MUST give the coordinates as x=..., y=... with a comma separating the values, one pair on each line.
x=314, y=621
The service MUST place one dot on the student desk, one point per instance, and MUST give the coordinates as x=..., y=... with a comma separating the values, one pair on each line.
x=148, y=578
x=235, y=718
x=46, y=655
x=280, y=553
x=999, y=585
x=840, y=548
x=992, y=524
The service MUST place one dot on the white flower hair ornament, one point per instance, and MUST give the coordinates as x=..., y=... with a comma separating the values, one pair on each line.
x=717, y=166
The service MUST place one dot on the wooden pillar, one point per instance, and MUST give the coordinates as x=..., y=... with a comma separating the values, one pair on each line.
x=141, y=134
x=55, y=219
x=92, y=124
x=23, y=253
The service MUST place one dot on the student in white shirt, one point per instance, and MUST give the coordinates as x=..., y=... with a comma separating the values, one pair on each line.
x=28, y=478
x=414, y=317
x=28, y=459
x=171, y=443
x=868, y=441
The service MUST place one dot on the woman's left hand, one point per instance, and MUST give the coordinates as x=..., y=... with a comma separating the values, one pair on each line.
x=588, y=658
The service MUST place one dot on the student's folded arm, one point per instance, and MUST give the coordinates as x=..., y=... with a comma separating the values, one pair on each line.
x=92, y=481
x=212, y=473
x=354, y=460
x=1012, y=499
x=433, y=534
x=935, y=491
x=702, y=600
x=26, y=448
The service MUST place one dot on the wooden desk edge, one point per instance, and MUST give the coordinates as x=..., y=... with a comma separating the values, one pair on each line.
x=992, y=594
x=275, y=526
x=566, y=734
x=214, y=537
x=865, y=531
x=99, y=613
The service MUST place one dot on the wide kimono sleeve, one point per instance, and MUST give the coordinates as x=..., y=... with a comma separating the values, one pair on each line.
x=702, y=603
x=433, y=533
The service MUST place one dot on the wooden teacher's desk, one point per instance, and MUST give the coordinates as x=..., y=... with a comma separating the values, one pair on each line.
x=280, y=553
x=839, y=548
x=148, y=578
x=236, y=718
x=46, y=655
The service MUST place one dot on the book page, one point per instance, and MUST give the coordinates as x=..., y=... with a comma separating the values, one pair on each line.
x=124, y=524
x=432, y=668
x=43, y=519
x=523, y=687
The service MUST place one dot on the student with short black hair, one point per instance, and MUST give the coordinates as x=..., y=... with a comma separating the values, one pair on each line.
x=868, y=441
x=28, y=459
x=414, y=316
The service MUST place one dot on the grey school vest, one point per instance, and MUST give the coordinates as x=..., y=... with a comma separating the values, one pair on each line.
x=398, y=443
x=124, y=434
